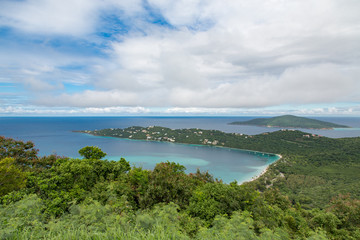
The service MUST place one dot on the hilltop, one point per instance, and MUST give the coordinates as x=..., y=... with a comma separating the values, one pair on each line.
x=290, y=121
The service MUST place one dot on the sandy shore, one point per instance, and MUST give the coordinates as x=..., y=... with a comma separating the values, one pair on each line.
x=265, y=170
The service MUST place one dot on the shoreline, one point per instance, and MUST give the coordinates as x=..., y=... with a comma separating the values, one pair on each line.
x=189, y=144
x=264, y=171
x=203, y=145
x=290, y=128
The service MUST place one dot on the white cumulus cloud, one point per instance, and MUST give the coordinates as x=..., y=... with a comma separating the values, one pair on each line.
x=191, y=54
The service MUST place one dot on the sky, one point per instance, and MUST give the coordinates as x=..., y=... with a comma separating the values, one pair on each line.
x=184, y=57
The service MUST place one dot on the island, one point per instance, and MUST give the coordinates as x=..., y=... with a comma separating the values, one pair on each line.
x=290, y=121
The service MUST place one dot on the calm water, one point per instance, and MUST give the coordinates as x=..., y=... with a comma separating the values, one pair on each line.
x=54, y=135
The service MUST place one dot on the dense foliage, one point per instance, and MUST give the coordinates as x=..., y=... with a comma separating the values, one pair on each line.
x=313, y=169
x=61, y=198
x=92, y=152
x=290, y=121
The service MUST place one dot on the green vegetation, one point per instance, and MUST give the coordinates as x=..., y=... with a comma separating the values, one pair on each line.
x=289, y=121
x=313, y=169
x=62, y=198
x=11, y=177
x=92, y=153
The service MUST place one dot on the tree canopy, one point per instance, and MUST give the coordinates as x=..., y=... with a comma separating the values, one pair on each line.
x=65, y=198
x=91, y=152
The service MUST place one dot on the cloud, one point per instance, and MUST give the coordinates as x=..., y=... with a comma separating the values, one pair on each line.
x=201, y=69
x=186, y=54
x=36, y=110
x=90, y=98
x=38, y=85
x=326, y=83
x=298, y=110
x=65, y=17
x=49, y=17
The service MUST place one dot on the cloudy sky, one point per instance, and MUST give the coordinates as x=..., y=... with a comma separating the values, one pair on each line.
x=184, y=57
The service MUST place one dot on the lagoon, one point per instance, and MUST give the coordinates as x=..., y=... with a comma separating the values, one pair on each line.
x=54, y=135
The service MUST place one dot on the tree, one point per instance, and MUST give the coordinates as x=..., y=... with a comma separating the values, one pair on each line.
x=347, y=210
x=11, y=177
x=24, y=153
x=92, y=152
x=76, y=179
x=168, y=183
x=213, y=199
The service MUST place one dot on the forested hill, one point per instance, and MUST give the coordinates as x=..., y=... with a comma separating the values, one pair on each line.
x=279, y=142
x=54, y=197
x=311, y=164
x=290, y=121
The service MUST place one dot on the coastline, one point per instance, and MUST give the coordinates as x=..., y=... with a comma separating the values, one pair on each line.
x=264, y=171
x=189, y=144
x=203, y=145
x=287, y=127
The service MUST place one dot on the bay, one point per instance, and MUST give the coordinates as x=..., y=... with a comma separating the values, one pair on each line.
x=54, y=135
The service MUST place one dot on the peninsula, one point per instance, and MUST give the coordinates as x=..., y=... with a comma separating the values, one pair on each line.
x=290, y=121
x=310, y=163
x=292, y=141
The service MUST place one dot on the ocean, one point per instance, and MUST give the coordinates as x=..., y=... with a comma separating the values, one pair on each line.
x=55, y=135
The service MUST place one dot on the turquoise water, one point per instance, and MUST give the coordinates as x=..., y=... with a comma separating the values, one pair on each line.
x=224, y=163
x=347, y=129
x=140, y=160
x=54, y=135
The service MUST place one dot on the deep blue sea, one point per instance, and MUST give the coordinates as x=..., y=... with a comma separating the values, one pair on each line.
x=54, y=135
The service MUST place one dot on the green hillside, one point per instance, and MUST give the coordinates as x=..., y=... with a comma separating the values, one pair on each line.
x=312, y=192
x=290, y=121
x=311, y=164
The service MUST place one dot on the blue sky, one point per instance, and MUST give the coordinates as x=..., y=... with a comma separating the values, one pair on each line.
x=186, y=57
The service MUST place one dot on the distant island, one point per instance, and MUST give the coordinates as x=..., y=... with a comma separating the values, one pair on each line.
x=290, y=121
